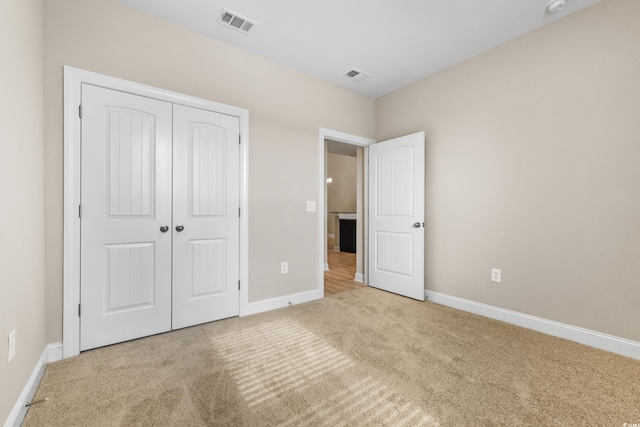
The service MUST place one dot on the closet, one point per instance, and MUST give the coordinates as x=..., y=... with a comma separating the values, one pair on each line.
x=159, y=227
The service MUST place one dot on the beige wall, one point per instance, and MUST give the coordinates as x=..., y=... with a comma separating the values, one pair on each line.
x=533, y=166
x=341, y=193
x=22, y=194
x=286, y=110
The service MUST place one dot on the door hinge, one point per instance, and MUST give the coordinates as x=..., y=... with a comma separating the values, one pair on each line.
x=79, y=310
x=238, y=212
x=239, y=139
x=80, y=111
x=79, y=211
x=238, y=284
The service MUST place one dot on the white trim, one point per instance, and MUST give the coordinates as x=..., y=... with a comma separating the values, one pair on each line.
x=71, y=229
x=73, y=80
x=331, y=236
x=365, y=215
x=283, y=301
x=588, y=337
x=51, y=353
x=336, y=248
x=359, y=277
x=244, y=210
x=346, y=138
x=326, y=266
x=54, y=352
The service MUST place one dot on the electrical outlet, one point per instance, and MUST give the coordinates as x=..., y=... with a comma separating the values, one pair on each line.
x=496, y=275
x=311, y=206
x=284, y=267
x=12, y=345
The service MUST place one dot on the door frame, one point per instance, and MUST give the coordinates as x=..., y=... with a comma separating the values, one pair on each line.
x=73, y=80
x=344, y=138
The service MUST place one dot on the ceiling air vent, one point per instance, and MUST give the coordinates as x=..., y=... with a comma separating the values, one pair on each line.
x=235, y=21
x=356, y=75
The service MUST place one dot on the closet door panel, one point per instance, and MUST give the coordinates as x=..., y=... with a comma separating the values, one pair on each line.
x=206, y=216
x=125, y=270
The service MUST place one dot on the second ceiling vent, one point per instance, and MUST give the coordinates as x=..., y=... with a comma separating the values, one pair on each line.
x=356, y=75
x=235, y=21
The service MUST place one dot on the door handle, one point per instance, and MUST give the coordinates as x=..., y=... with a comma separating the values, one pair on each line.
x=416, y=225
x=164, y=228
x=179, y=227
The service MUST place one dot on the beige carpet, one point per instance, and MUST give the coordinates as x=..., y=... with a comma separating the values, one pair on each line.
x=361, y=358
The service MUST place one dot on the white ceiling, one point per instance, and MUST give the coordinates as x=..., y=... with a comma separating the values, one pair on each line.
x=396, y=42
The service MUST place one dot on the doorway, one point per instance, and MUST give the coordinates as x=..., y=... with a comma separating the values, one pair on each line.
x=345, y=193
x=393, y=197
x=343, y=256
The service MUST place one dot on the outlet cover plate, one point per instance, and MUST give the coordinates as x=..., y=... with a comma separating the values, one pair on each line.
x=284, y=267
x=496, y=275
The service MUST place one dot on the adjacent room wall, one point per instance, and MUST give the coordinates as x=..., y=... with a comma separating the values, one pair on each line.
x=286, y=108
x=533, y=166
x=22, y=194
x=341, y=193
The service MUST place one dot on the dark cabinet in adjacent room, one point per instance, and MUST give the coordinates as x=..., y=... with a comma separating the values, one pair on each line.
x=348, y=235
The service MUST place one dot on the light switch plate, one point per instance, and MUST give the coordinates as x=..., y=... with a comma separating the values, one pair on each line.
x=311, y=206
x=12, y=345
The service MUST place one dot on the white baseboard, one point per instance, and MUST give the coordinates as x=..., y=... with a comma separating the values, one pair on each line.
x=326, y=266
x=281, y=302
x=332, y=236
x=588, y=337
x=51, y=353
x=336, y=248
x=359, y=278
x=55, y=352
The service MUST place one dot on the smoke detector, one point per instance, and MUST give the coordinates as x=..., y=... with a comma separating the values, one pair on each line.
x=556, y=6
x=235, y=21
x=356, y=75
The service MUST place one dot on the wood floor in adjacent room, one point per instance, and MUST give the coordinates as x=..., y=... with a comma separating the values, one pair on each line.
x=342, y=270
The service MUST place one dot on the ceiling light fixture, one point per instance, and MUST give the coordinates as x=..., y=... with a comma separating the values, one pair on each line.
x=555, y=6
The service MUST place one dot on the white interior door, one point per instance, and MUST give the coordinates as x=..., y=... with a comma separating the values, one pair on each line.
x=396, y=215
x=126, y=198
x=206, y=216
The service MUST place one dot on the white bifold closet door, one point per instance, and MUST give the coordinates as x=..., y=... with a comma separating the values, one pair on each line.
x=159, y=216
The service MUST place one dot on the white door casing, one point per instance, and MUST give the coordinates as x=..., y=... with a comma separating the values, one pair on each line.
x=396, y=215
x=206, y=210
x=126, y=198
